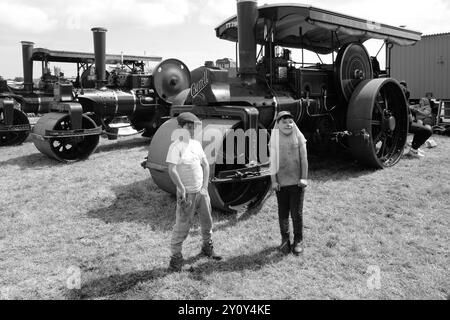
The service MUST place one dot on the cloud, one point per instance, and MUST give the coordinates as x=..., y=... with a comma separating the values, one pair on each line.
x=213, y=12
x=44, y=15
x=20, y=17
x=134, y=13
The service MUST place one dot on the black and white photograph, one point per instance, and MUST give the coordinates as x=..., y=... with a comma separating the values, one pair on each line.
x=249, y=151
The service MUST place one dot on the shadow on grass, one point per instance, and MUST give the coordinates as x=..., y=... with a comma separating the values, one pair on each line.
x=39, y=160
x=139, y=202
x=123, y=144
x=337, y=166
x=143, y=202
x=116, y=284
x=32, y=161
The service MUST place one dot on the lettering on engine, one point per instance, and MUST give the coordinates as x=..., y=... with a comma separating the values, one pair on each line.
x=198, y=86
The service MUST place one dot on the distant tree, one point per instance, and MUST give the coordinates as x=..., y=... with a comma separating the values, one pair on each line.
x=18, y=79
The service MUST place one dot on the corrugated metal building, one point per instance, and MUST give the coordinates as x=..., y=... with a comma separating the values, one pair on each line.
x=424, y=66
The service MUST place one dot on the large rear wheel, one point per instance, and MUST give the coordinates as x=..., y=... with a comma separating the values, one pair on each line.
x=378, y=118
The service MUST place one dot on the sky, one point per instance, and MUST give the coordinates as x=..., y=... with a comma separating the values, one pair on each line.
x=182, y=29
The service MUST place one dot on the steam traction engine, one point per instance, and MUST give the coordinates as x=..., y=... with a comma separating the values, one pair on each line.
x=75, y=118
x=341, y=101
x=35, y=99
x=71, y=131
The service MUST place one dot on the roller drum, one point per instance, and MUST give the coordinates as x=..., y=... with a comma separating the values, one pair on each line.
x=64, y=149
x=224, y=196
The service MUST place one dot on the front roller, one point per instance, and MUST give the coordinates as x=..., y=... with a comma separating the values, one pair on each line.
x=378, y=120
x=14, y=124
x=54, y=137
x=231, y=185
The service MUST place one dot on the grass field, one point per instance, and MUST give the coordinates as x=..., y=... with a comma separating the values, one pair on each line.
x=100, y=229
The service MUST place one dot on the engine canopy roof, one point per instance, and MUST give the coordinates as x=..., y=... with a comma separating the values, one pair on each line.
x=316, y=26
x=42, y=54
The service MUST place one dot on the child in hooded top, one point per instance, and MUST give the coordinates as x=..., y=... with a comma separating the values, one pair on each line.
x=289, y=174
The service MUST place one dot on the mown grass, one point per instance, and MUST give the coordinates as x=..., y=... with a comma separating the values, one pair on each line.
x=106, y=217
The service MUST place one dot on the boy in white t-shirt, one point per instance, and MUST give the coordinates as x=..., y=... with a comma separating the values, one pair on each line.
x=189, y=171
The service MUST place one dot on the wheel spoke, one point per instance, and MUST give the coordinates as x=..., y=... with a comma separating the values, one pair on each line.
x=383, y=147
x=378, y=138
x=380, y=110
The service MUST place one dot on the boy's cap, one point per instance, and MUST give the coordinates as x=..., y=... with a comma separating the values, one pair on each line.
x=284, y=114
x=187, y=117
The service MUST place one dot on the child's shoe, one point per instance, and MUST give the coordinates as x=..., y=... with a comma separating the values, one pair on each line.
x=297, y=248
x=208, y=251
x=176, y=263
x=413, y=153
x=285, y=247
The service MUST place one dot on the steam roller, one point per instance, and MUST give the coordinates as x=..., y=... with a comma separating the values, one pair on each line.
x=349, y=104
x=17, y=101
x=61, y=141
x=71, y=130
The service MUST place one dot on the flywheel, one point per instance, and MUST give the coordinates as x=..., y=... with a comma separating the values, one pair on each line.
x=352, y=66
x=170, y=78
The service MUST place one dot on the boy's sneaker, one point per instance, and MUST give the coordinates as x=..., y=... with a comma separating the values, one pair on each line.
x=430, y=144
x=285, y=247
x=208, y=251
x=415, y=153
x=297, y=249
x=176, y=263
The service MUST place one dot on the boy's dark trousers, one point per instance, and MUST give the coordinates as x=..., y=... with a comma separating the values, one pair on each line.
x=290, y=199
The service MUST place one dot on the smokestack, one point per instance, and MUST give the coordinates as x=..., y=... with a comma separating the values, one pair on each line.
x=27, y=52
x=247, y=16
x=100, y=55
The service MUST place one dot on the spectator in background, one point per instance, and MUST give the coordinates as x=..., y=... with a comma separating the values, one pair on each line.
x=434, y=106
x=422, y=112
x=417, y=127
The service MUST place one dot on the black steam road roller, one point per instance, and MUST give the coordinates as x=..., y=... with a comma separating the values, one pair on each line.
x=350, y=100
x=34, y=99
x=71, y=129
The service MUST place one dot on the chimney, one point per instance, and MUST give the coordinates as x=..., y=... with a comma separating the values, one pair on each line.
x=27, y=52
x=100, y=55
x=247, y=16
